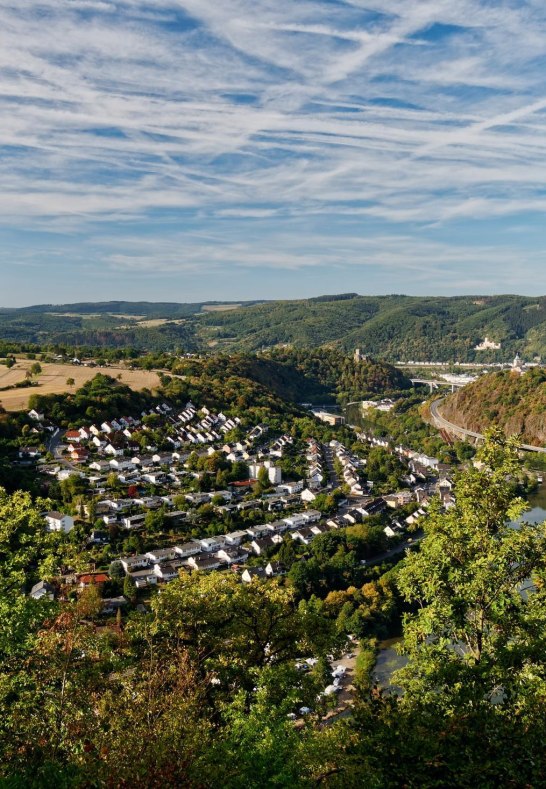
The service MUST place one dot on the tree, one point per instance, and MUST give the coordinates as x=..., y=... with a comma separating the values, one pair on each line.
x=154, y=520
x=36, y=368
x=129, y=589
x=470, y=711
x=70, y=382
x=470, y=638
x=116, y=570
x=476, y=677
x=322, y=672
x=287, y=552
x=234, y=629
x=112, y=480
x=263, y=477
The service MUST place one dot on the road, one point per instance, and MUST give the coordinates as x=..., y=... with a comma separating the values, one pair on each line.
x=400, y=548
x=441, y=422
x=328, y=454
x=54, y=444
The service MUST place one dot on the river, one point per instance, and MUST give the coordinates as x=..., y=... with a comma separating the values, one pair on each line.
x=537, y=502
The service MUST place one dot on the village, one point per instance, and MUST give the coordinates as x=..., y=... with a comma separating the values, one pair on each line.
x=172, y=471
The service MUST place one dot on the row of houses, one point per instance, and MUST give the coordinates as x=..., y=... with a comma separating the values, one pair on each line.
x=222, y=551
x=316, y=474
x=351, y=466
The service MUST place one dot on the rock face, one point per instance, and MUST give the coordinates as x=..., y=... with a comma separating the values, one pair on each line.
x=517, y=403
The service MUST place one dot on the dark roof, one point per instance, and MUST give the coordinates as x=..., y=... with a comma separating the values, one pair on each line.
x=42, y=585
x=256, y=572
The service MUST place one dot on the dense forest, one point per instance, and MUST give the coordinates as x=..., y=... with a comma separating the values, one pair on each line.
x=393, y=327
x=317, y=376
x=516, y=403
x=390, y=327
x=204, y=687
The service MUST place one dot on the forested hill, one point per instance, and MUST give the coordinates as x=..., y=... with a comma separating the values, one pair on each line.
x=516, y=403
x=315, y=376
x=389, y=327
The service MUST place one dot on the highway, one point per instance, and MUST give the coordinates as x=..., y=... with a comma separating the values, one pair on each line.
x=441, y=422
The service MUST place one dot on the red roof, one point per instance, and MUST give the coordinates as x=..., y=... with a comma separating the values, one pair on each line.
x=93, y=578
x=245, y=483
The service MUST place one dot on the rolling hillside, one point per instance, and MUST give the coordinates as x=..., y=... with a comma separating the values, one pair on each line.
x=515, y=403
x=389, y=327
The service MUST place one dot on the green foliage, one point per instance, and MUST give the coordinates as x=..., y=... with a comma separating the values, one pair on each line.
x=472, y=692
x=335, y=559
x=406, y=425
x=391, y=327
x=305, y=376
x=98, y=399
x=26, y=549
x=469, y=644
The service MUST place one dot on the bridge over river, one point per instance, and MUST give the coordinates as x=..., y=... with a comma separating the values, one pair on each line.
x=436, y=384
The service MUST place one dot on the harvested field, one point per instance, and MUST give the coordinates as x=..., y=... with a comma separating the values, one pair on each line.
x=13, y=375
x=153, y=323
x=220, y=307
x=54, y=376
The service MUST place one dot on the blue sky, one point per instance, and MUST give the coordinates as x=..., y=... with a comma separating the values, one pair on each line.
x=235, y=149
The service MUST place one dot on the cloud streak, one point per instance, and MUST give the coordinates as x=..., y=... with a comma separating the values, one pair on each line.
x=405, y=118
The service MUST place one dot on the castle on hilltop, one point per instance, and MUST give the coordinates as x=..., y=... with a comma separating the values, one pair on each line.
x=359, y=356
x=487, y=345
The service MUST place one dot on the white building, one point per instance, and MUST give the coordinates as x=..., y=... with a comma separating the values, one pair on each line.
x=58, y=521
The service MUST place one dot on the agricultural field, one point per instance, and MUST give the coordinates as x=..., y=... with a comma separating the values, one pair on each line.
x=53, y=378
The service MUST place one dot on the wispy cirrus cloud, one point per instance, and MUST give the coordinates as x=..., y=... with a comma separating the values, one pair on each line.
x=402, y=119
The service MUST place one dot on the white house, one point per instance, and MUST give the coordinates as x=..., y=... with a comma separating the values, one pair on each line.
x=166, y=571
x=426, y=460
x=109, y=449
x=253, y=572
x=130, y=563
x=210, y=544
x=203, y=563
x=162, y=555
x=42, y=589
x=232, y=555
x=188, y=549
x=143, y=578
x=134, y=521
x=58, y=521
x=291, y=487
x=296, y=520
x=236, y=537
x=312, y=516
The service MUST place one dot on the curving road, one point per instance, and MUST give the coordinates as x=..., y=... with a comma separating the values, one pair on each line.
x=54, y=445
x=441, y=422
